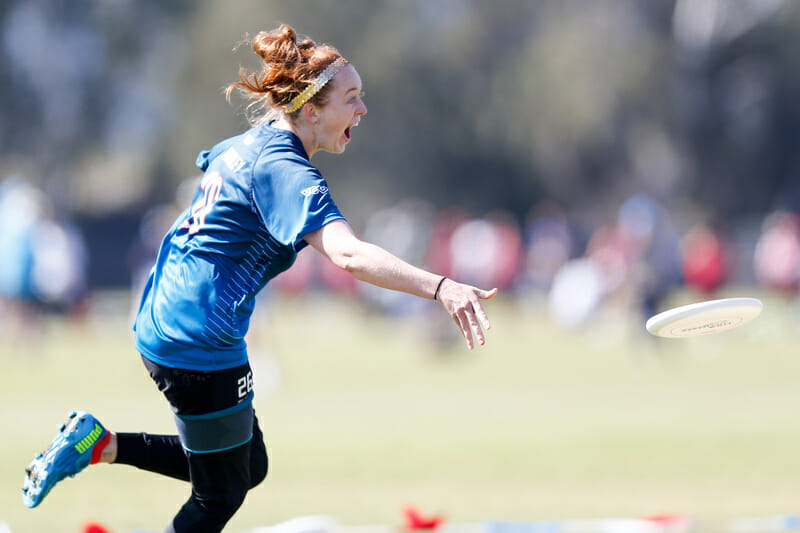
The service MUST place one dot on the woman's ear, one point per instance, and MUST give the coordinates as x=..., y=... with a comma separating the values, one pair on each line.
x=310, y=113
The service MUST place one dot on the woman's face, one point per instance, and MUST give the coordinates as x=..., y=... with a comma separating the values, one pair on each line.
x=341, y=112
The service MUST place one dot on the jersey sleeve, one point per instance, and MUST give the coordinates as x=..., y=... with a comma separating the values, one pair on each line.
x=292, y=199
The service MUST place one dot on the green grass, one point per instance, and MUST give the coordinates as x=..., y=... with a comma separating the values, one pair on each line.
x=370, y=415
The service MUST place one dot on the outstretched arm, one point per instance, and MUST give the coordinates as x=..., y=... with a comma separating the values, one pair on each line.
x=371, y=263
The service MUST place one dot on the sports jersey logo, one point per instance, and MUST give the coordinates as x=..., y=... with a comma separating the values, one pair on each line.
x=232, y=158
x=314, y=189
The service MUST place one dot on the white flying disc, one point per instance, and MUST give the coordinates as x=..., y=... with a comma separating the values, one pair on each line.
x=704, y=318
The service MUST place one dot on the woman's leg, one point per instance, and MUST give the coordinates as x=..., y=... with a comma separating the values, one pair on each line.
x=163, y=454
x=222, y=444
x=220, y=481
x=82, y=441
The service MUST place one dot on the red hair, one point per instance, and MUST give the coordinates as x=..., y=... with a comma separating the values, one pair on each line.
x=289, y=67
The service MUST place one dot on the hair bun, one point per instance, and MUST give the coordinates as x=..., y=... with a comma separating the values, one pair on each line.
x=286, y=32
x=277, y=44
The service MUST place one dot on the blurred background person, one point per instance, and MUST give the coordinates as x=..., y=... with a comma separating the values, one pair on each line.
x=21, y=208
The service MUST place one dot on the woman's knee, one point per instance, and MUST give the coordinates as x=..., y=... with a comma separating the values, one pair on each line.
x=259, y=464
x=207, y=513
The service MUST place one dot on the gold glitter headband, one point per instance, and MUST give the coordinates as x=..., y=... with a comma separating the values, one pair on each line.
x=315, y=86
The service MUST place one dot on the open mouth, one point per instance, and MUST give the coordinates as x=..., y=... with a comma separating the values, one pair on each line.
x=347, y=133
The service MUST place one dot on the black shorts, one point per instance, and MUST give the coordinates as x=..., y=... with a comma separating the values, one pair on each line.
x=195, y=392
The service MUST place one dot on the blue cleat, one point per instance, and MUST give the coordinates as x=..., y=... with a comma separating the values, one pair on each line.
x=70, y=452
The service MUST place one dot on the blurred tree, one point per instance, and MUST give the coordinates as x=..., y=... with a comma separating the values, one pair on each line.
x=86, y=101
x=490, y=106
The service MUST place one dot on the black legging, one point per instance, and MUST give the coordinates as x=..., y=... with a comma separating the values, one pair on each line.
x=220, y=480
x=208, y=509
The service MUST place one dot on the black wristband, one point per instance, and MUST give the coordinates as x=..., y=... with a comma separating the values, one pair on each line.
x=439, y=286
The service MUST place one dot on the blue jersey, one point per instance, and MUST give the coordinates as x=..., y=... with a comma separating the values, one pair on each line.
x=257, y=199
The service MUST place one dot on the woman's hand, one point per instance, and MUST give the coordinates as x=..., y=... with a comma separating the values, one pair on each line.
x=463, y=302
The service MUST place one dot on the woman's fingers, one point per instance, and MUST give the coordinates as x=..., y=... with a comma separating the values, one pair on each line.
x=476, y=328
x=469, y=320
x=463, y=324
x=481, y=314
x=467, y=311
x=487, y=295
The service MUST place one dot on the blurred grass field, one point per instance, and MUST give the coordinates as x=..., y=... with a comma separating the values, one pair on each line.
x=369, y=415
